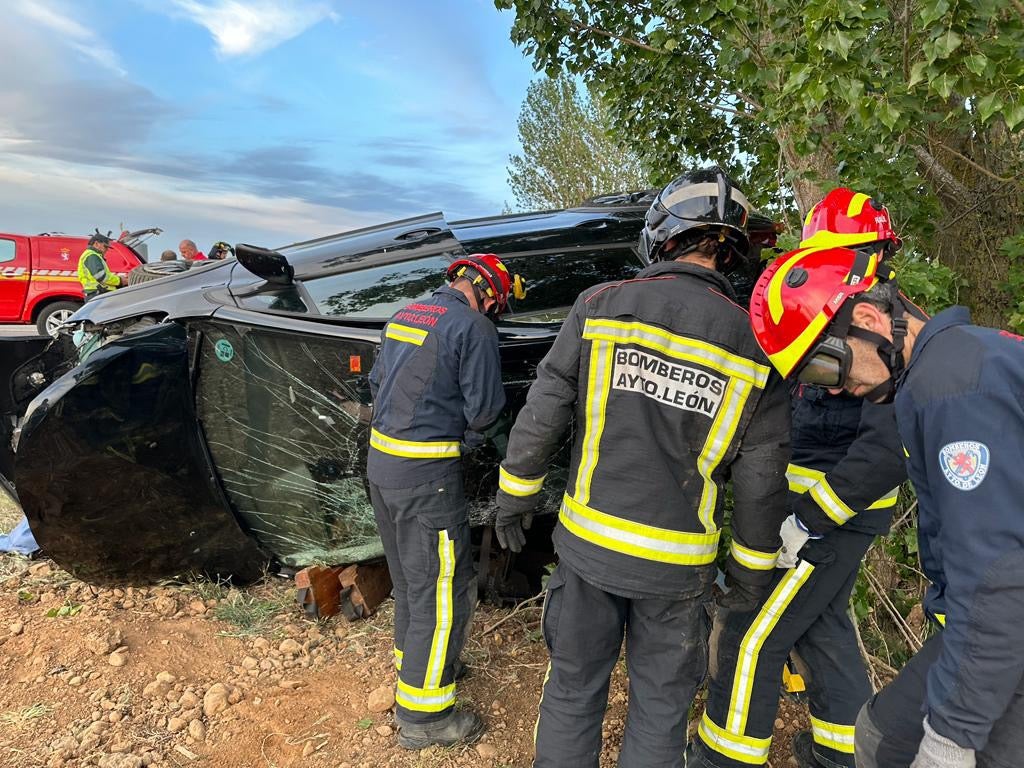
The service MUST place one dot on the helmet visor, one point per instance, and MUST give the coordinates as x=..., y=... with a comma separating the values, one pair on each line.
x=828, y=364
x=707, y=202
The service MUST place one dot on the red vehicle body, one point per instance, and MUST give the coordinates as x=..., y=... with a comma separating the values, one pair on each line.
x=39, y=276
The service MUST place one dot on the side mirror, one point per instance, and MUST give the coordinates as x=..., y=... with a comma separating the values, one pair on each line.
x=265, y=263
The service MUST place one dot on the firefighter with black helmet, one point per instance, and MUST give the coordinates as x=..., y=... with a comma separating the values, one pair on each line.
x=670, y=396
x=94, y=274
x=436, y=383
x=835, y=317
x=844, y=478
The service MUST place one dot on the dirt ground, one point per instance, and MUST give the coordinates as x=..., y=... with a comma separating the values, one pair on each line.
x=205, y=675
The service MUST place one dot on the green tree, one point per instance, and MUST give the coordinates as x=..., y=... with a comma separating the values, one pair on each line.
x=568, y=151
x=920, y=102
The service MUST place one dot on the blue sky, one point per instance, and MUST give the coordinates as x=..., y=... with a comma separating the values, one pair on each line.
x=260, y=121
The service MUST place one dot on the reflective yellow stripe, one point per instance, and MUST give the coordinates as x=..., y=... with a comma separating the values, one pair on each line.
x=750, y=648
x=398, y=659
x=905, y=451
x=889, y=500
x=443, y=611
x=599, y=380
x=411, y=449
x=824, y=239
x=941, y=618
x=804, y=479
x=745, y=749
x=518, y=486
x=405, y=333
x=425, y=699
x=856, y=204
x=637, y=539
x=830, y=503
x=717, y=444
x=681, y=347
x=752, y=558
x=837, y=737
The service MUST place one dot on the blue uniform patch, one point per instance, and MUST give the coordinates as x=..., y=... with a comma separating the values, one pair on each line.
x=964, y=463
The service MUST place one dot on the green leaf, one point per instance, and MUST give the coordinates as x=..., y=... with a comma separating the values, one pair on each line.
x=976, y=62
x=888, y=114
x=989, y=105
x=726, y=6
x=931, y=12
x=1013, y=115
x=916, y=73
x=365, y=723
x=944, y=84
x=947, y=43
x=671, y=44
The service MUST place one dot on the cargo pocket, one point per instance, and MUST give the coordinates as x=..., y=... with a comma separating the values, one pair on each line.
x=552, y=609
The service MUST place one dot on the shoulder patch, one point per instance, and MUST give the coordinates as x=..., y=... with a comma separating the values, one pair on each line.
x=964, y=463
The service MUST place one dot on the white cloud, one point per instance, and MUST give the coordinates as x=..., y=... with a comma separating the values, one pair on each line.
x=40, y=195
x=71, y=31
x=250, y=27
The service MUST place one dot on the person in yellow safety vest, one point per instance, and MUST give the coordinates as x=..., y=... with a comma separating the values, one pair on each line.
x=93, y=273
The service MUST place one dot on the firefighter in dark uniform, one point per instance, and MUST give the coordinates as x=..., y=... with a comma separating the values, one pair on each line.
x=844, y=479
x=670, y=397
x=436, y=382
x=959, y=399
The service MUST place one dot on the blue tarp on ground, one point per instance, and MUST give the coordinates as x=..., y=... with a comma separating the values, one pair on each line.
x=19, y=540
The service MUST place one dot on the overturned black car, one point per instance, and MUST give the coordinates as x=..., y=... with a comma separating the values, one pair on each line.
x=217, y=421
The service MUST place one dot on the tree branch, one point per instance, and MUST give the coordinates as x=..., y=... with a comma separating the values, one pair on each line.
x=941, y=174
x=579, y=26
x=976, y=166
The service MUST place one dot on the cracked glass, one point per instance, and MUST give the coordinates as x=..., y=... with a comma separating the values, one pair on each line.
x=286, y=418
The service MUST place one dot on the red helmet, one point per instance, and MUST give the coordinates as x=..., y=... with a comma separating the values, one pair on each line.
x=796, y=299
x=491, y=278
x=845, y=219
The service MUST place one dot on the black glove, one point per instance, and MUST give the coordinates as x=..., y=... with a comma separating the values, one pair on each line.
x=510, y=528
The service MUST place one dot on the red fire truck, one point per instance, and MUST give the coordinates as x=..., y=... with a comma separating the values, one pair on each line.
x=39, y=274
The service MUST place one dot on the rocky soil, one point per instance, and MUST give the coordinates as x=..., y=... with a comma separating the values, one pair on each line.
x=206, y=675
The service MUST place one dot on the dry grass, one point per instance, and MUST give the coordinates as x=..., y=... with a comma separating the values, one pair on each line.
x=17, y=718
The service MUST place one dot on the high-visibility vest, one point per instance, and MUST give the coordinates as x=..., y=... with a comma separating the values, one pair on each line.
x=91, y=281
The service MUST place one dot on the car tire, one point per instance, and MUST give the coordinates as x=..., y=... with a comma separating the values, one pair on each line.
x=53, y=315
x=148, y=272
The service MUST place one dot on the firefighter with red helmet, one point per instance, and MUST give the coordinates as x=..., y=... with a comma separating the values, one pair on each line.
x=436, y=384
x=670, y=397
x=834, y=317
x=844, y=477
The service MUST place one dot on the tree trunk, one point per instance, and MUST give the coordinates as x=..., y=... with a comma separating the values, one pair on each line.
x=806, y=172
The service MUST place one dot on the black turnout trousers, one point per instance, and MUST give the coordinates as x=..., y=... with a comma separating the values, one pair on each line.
x=666, y=659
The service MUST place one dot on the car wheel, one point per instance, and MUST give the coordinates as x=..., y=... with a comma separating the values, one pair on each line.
x=54, y=316
x=147, y=272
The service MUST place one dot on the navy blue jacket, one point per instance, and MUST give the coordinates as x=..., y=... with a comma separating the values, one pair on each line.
x=847, y=462
x=438, y=374
x=960, y=410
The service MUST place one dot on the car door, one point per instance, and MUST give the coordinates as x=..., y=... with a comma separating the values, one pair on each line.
x=14, y=277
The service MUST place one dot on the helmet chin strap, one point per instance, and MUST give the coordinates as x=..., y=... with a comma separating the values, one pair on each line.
x=891, y=352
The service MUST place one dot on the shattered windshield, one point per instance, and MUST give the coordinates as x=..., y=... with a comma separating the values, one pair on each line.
x=286, y=418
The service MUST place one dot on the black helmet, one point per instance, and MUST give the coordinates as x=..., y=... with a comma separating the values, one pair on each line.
x=220, y=250
x=694, y=206
x=99, y=239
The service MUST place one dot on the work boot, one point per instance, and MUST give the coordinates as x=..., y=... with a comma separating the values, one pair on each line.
x=459, y=727
x=803, y=750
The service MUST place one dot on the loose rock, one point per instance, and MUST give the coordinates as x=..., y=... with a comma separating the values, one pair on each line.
x=381, y=699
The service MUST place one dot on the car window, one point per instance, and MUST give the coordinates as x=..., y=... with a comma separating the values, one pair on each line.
x=7, y=251
x=285, y=299
x=555, y=279
x=287, y=420
x=378, y=292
